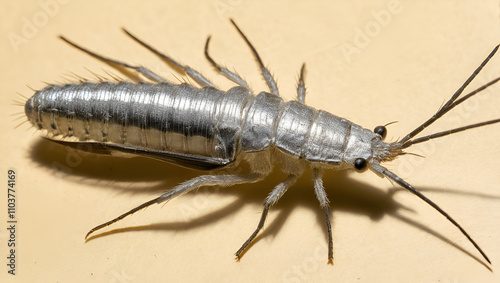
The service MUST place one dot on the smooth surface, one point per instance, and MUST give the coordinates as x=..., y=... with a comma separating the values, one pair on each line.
x=372, y=62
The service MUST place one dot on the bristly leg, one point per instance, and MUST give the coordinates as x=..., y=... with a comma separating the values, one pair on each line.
x=195, y=75
x=320, y=192
x=301, y=88
x=330, y=238
x=271, y=82
x=142, y=70
x=271, y=199
x=200, y=181
x=224, y=71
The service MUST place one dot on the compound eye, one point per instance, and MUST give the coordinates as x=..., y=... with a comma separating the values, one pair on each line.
x=360, y=164
x=381, y=131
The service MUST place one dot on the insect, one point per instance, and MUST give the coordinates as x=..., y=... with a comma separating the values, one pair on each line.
x=207, y=129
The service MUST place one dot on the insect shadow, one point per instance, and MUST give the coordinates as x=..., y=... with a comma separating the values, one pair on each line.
x=347, y=194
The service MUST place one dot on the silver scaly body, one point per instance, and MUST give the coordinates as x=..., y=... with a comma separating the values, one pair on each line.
x=200, y=122
x=207, y=128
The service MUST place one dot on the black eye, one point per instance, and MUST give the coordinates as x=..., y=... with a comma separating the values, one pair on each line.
x=381, y=131
x=360, y=164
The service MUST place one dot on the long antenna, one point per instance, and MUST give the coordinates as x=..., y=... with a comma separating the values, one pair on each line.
x=404, y=184
x=451, y=103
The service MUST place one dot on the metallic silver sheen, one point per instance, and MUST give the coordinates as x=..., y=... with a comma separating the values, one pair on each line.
x=206, y=128
x=196, y=121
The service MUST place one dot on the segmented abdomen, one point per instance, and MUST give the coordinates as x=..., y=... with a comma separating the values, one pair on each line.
x=175, y=118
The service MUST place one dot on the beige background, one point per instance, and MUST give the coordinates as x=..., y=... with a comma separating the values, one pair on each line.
x=409, y=61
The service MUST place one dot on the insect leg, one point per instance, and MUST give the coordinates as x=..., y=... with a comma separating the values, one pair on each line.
x=144, y=71
x=224, y=71
x=195, y=75
x=301, y=88
x=271, y=82
x=272, y=199
x=187, y=186
x=320, y=192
